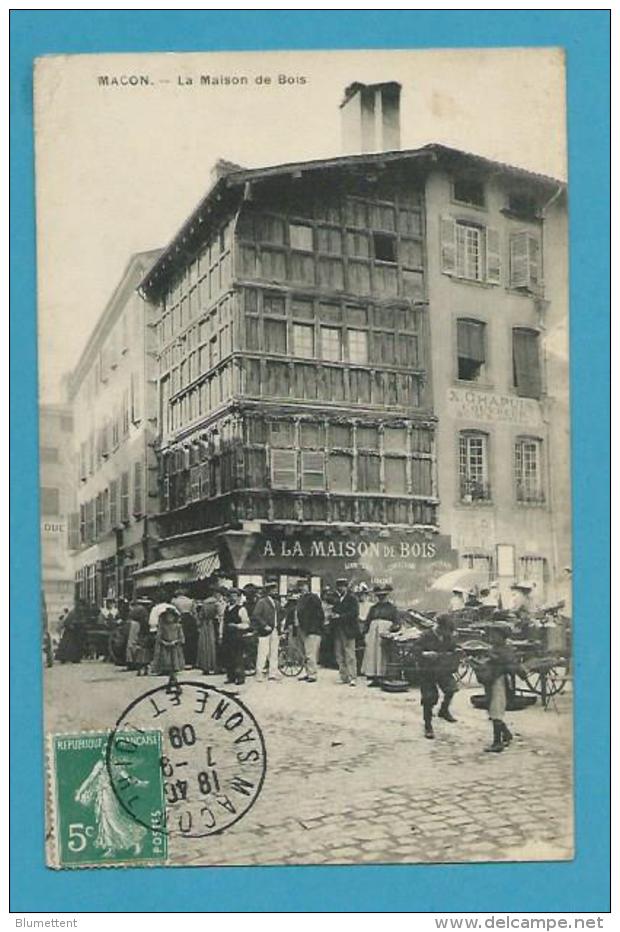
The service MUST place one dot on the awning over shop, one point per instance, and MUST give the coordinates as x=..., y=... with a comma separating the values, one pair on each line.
x=190, y=568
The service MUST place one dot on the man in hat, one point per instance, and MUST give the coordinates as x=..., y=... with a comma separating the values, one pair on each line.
x=382, y=617
x=311, y=621
x=438, y=662
x=266, y=623
x=489, y=595
x=235, y=627
x=521, y=598
x=345, y=621
x=186, y=608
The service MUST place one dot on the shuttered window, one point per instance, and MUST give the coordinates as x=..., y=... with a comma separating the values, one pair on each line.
x=526, y=363
x=89, y=521
x=470, y=251
x=138, y=489
x=470, y=349
x=284, y=469
x=312, y=470
x=99, y=519
x=74, y=531
x=125, y=497
x=114, y=503
x=525, y=269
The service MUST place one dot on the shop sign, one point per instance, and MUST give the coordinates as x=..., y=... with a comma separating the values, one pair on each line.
x=408, y=562
x=53, y=528
x=472, y=405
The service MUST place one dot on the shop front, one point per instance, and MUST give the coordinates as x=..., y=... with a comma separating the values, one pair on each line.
x=408, y=561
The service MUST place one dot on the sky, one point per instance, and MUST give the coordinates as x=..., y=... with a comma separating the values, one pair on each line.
x=119, y=168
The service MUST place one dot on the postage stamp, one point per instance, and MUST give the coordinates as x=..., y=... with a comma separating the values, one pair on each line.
x=213, y=761
x=91, y=827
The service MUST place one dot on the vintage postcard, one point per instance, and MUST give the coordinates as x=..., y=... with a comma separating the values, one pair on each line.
x=304, y=457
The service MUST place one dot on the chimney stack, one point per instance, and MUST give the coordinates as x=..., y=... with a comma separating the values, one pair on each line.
x=371, y=117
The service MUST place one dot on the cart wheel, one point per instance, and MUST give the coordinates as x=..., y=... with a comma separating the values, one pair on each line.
x=290, y=658
x=547, y=682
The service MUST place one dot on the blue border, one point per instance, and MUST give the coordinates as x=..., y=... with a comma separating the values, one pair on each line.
x=581, y=885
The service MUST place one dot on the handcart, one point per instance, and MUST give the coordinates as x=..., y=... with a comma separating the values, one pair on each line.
x=542, y=644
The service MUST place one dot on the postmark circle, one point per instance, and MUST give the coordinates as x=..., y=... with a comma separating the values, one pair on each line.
x=213, y=762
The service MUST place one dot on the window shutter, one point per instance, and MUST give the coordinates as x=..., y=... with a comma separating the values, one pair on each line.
x=74, y=531
x=494, y=259
x=284, y=469
x=138, y=484
x=534, y=276
x=166, y=493
x=125, y=496
x=533, y=366
x=312, y=470
x=136, y=401
x=519, y=260
x=470, y=340
x=447, y=233
x=526, y=363
x=114, y=503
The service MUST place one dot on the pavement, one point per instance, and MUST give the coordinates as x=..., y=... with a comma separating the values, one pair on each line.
x=351, y=778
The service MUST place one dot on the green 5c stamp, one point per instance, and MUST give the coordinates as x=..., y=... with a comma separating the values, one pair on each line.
x=92, y=828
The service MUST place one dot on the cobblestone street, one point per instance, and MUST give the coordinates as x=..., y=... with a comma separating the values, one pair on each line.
x=351, y=778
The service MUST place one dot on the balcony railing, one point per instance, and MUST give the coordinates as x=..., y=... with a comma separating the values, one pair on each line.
x=473, y=490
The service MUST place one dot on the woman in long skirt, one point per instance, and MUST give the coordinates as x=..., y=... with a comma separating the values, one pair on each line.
x=72, y=641
x=209, y=614
x=382, y=617
x=168, y=656
x=144, y=647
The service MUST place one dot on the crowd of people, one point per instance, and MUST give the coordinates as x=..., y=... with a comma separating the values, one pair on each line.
x=236, y=631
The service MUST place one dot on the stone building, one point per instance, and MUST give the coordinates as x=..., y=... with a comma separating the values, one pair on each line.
x=498, y=280
x=352, y=369
x=57, y=499
x=113, y=393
